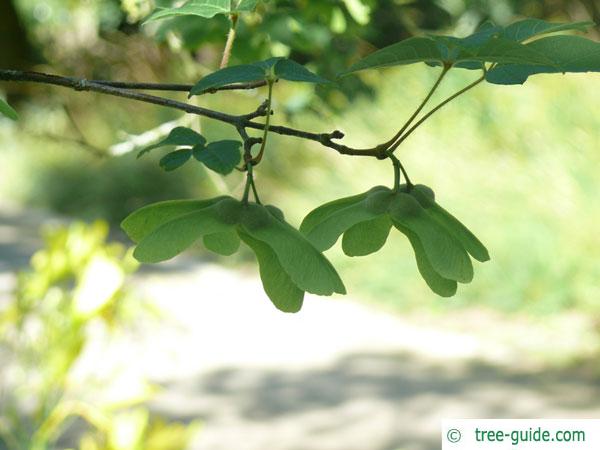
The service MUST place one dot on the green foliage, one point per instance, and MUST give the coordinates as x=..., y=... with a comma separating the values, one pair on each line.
x=220, y=156
x=175, y=160
x=450, y=51
x=179, y=136
x=567, y=53
x=136, y=429
x=526, y=29
x=439, y=240
x=511, y=60
x=278, y=68
x=205, y=8
x=289, y=264
x=7, y=111
x=75, y=283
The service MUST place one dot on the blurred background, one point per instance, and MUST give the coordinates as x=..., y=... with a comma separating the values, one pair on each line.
x=98, y=353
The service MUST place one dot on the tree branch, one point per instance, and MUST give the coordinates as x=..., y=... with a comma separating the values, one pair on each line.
x=172, y=87
x=245, y=121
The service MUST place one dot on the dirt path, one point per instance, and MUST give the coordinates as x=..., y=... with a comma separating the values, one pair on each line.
x=338, y=376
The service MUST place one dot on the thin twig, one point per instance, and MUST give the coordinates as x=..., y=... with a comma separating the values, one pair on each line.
x=174, y=87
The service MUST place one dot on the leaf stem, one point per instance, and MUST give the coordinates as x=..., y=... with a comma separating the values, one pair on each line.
x=249, y=183
x=434, y=110
x=269, y=111
x=254, y=191
x=230, y=40
x=432, y=91
x=399, y=168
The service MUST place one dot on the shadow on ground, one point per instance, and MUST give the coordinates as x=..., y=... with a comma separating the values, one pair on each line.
x=367, y=402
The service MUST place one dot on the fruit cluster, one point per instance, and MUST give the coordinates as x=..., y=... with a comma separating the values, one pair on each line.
x=441, y=243
x=289, y=264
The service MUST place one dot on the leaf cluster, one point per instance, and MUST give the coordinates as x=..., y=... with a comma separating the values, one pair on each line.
x=514, y=52
x=220, y=156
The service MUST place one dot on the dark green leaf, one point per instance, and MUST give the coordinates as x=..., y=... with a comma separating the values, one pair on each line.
x=501, y=50
x=306, y=266
x=142, y=222
x=176, y=159
x=568, y=54
x=409, y=51
x=444, y=251
x=292, y=71
x=225, y=243
x=326, y=233
x=277, y=284
x=468, y=240
x=173, y=237
x=204, y=8
x=279, y=67
x=366, y=237
x=220, y=156
x=7, y=111
x=528, y=28
x=237, y=74
x=437, y=50
x=177, y=137
x=438, y=284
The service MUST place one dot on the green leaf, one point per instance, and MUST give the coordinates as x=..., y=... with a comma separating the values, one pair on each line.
x=177, y=137
x=142, y=222
x=501, y=50
x=278, y=285
x=237, y=74
x=468, y=240
x=226, y=243
x=174, y=236
x=444, y=251
x=528, y=28
x=409, y=51
x=567, y=53
x=283, y=68
x=436, y=50
x=204, y=8
x=176, y=159
x=438, y=284
x=306, y=266
x=326, y=233
x=220, y=156
x=318, y=215
x=287, y=69
x=366, y=237
x=7, y=111
x=245, y=5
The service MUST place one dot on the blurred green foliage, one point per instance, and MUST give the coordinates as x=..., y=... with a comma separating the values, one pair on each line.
x=76, y=282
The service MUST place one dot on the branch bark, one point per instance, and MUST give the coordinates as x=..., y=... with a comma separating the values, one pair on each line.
x=243, y=121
